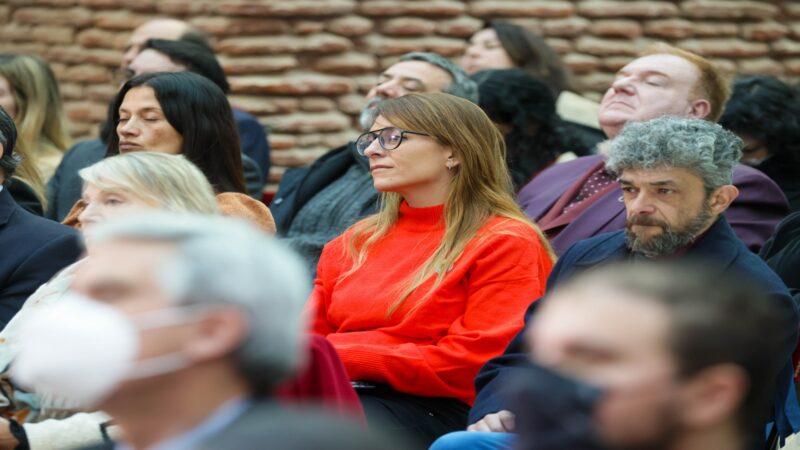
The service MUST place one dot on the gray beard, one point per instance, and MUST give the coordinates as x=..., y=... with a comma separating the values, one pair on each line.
x=670, y=241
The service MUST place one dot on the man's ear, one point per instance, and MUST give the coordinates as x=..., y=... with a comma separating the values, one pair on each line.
x=700, y=108
x=714, y=396
x=217, y=333
x=722, y=198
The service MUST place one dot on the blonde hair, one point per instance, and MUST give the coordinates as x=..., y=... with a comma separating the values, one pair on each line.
x=40, y=119
x=712, y=85
x=169, y=181
x=481, y=187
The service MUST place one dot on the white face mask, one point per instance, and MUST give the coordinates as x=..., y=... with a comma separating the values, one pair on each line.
x=80, y=350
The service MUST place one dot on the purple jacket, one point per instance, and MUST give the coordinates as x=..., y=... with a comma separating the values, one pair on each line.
x=761, y=204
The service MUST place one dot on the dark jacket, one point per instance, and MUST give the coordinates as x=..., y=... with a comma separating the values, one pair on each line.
x=267, y=425
x=720, y=245
x=66, y=186
x=254, y=142
x=782, y=252
x=753, y=215
x=32, y=250
x=299, y=185
x=25, y=196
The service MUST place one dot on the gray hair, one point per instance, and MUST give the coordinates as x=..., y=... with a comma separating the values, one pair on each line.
x=703, y=147
x=462, y=86
x=225, y=261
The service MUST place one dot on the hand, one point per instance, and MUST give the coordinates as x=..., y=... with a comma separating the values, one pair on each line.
x=7, y=440
x=499, y=422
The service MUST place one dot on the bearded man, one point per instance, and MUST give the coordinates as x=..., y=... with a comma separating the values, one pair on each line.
x=676, y=180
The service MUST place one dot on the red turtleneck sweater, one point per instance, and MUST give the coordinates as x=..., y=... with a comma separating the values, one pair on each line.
x=437, y=349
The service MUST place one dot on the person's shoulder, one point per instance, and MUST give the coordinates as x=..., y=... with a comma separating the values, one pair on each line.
x=246, y=120
x=596, y=249
x=36, y=227
x=235, y=204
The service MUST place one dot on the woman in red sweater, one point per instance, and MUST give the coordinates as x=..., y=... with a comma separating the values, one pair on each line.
x=419, y=296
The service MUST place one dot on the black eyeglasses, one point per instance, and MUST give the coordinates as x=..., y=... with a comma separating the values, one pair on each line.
x=389, y=138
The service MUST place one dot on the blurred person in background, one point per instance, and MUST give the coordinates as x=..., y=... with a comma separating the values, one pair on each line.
x=765, y=113
x=523, y=109
x=184, y=113
x=651, y=356
x=504, y=45
x=30, y=95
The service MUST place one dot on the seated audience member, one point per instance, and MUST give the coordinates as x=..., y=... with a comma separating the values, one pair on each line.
x=184, y=113
x=579, y=199
x=34, y=248
x=417, y=297
x=668, y=360
x=179, y=350
x=64, y=189
x=524, y=110
x=504, y=45
x=765, y=113
x=160, y=55
x=30, y=95
x=676, y=176
x=317, y=203
x=114, y=187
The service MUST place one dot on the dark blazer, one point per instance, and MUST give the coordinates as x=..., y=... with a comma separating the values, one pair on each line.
x=25, y=196
x=782, y=252
x=268, y=425
x=299, y=185
x=720, y=245
x=32, y=250
x=66, y=186
x=753, y=215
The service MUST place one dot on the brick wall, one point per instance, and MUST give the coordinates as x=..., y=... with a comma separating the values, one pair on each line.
x=303, y=66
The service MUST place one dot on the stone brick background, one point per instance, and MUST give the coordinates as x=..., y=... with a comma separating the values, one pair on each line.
x=303, y=66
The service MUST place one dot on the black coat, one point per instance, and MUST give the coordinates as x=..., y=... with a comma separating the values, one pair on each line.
x=32, y=250
x=782, y=252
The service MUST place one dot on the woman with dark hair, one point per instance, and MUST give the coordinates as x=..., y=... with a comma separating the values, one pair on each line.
x=160, y=55
x=765, y=113
x=524, y=109
x=184, y=113
x=504, y=45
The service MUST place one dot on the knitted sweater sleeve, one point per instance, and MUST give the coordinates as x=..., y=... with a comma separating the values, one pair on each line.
x=328, y=271
x=506, y=273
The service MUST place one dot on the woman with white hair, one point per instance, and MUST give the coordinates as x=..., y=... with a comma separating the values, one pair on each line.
x=113, y=188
